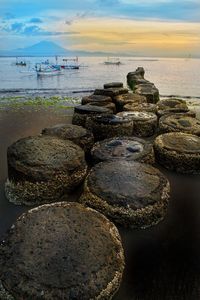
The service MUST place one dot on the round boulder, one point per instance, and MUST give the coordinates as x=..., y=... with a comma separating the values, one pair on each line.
x=167, y=106
x=130, y=193
x=149, y=91
x=144, y=123
x=111, y=92
x=130, y=98
x=81, y=112
x=96, y=99
x=178, y=152
x=179, y=122
x=108, y=126
x=146, y=107
x=99, y=100
x=128, y=148
x=113, y=85
x=77, y=134
x=43, y=168
x=62, y=251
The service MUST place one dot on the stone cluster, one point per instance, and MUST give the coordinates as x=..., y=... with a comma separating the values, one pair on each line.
x=114, y=146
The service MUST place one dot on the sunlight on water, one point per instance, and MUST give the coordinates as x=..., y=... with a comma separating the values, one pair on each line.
x=172, y=76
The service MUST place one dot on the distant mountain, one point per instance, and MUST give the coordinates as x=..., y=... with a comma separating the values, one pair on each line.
x=47, y=48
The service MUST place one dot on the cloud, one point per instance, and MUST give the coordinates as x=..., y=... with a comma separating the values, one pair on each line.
x=78, y=16
x=32, y=30
x=35, y=20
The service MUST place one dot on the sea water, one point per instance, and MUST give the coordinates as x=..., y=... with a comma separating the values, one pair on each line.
x=172, y=76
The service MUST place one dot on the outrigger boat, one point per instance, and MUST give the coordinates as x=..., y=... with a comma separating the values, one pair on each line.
x=112, y=61
x=20, y=63
x=45, y=70
x=70, y=63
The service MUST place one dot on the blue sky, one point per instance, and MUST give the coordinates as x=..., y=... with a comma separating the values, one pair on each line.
x=143, y=27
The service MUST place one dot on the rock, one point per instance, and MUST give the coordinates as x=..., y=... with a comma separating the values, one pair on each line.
x=130, y=193
x=77, y=134
x=130, y=98
x=128, y=148
x=111, y=106
x=81, y=112
x=146, y=107
x=42, y=168
x=113, y=85
x=149, y=91
x=167, y=106
x=62, y=251
x=144, y=123
x=179, y=152
x=136, y=77
x=96, y=99
x=111, y=92
x=107, y=126
x=179, y=122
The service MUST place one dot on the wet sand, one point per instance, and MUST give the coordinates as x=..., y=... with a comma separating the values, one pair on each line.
x=162, y=262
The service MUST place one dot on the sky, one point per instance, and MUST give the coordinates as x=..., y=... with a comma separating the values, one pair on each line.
x=134, y=27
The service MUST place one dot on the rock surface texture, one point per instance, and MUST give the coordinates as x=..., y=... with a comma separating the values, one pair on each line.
x=108, y=126
x=130, y=193
x=144, y=123
x=179, y=152
x=179, y=122
x=77, y=134
x=81, y=113
x=42, y=168
x=62, y=251
x=128, y=148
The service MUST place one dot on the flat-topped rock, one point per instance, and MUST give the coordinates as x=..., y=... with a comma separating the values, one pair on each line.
x=111, y=92
x=167, y=106
x=131, y=193
x=42, y=168
x=113, y=85
x=90, y=109
x=62, y=251
x=128, y=148
x=178, y=152
x=77, y=134
x=149, y=91
x=96, y=99
x=81, y=112
x=179, y=122
x=145, y=107
x=99, y=100
x=144, y=123
x=129, y=98
x=107, y=126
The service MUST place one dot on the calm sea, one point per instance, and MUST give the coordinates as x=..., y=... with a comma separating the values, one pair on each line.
x=172, y=76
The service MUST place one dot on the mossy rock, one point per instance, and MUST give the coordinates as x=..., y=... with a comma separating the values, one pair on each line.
x=129, y=98
x=149, y=91
x=145, y=107
x=179, y=122
x=81, y=112
x=113, y=85
x=173, y=105
x=107, y=126
x=62, y=251
x=77, y=134
x=130, y=193
x=144, y=123
x=42, y=168
x=179, y=152
x=111, y=92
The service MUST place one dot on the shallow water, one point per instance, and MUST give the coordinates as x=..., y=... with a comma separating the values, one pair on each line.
x=172, y=76
x=162, y=262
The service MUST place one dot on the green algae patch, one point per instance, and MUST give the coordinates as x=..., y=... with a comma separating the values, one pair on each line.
x=37, y=102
